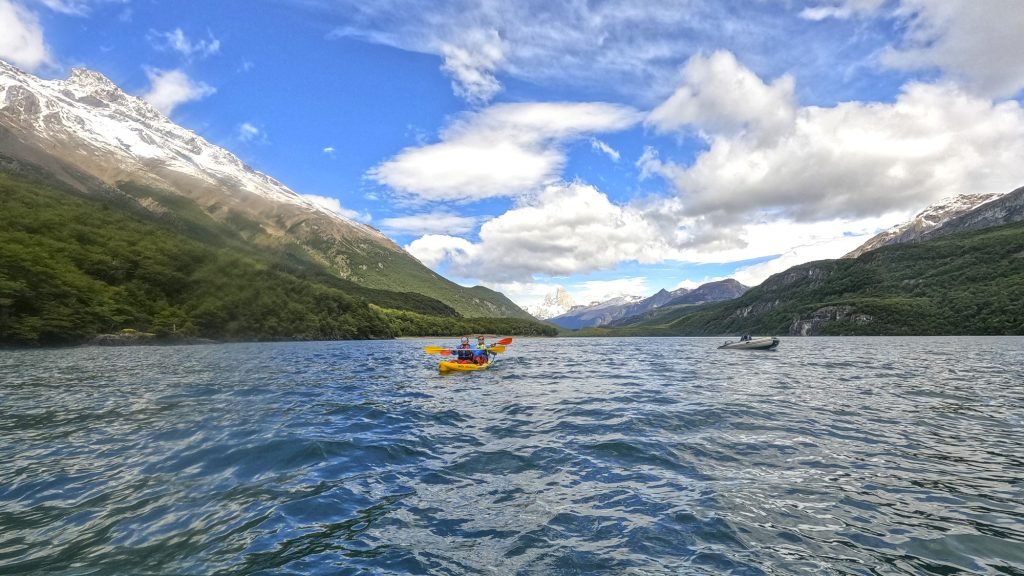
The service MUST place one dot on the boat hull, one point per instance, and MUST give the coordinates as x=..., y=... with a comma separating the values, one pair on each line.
x=451, y=366
x=763, y=343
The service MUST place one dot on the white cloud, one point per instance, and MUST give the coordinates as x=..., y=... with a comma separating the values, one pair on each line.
x=625, y=45
x=434, y=249
x=504, y=150
x=247, y=132
x=603, y=290
x=826, y=249
x=525, y=294
x=69, y=7
x=436, y=222
x=568, y=228
x=855, y=159
x=970, y=41
x=718, y=94
x=573, y=228
x=471, y=62
x=334, y=205
x=21, y=42
x=329, y=150
x=602, y=146
x=177, y=41
x=171, y=88
x=841, y=9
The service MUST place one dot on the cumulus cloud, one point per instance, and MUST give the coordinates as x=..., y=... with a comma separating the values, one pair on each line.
x=974, y=42
x=855, y=159
x=574, y=228
x=177, y=41
x=171, y=88
x=718, y=94
x=334, y=205
x=436, y=222
x=504, y=150
x=21, y=42
x=434, y=249
x=568, y=228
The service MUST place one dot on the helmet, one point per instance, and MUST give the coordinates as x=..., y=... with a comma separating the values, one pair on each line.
x=465, y=340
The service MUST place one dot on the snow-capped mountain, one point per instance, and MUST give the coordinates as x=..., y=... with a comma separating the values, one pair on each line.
x=554, y=304
x=928, y=219
x=87, y=132
x=112, y=135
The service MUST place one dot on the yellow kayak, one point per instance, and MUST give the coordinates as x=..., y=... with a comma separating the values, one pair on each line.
x=451, y=366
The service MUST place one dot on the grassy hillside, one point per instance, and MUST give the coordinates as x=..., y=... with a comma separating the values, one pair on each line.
x=72, y=266
x=970, y=283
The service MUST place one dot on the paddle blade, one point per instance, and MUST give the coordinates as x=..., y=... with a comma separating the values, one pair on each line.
x=437, y=350
x=504, y=342
x=496, y=349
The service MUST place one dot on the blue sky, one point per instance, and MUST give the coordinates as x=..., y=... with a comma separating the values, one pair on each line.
x=607, y=147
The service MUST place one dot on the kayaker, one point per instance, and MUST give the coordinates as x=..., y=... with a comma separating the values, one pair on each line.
x=464, y=352
x=480, y=353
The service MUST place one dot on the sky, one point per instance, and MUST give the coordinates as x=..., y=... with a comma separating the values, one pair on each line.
x=609, y=147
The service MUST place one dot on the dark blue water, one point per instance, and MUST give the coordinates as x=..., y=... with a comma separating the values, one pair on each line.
x=570, y=456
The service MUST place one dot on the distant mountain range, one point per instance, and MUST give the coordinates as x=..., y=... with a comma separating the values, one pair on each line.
x=624, y=309
x=89, y=134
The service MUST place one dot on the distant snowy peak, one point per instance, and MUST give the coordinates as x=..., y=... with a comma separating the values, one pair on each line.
x=926, y=220
x=110, y=134
x=555, y=304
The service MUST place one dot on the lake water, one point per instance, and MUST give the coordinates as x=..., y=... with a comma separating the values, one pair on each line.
x=569, y=456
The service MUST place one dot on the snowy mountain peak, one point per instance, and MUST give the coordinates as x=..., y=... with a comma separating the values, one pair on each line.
x=925, y=220
x=555, y=304
x=89, y=121
x=89, y=81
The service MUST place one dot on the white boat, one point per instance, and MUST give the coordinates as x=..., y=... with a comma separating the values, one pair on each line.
x=748, y=343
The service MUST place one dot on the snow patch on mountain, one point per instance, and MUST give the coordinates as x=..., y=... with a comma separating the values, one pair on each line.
x=555, y=304
x=90, y=110
x=928, y=219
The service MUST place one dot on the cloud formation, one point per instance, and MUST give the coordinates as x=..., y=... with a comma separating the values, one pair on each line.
x=171, y=88
x=977, y=43
x=177, y=41
x=841, y=9
x=472, y=63
x=852, y=160
x=602, y=146
x=334, y=205
x=574, y=228
x=721, y=96
x=436, y=222
x=504, y=150
x=248, y=132
x=21, y=41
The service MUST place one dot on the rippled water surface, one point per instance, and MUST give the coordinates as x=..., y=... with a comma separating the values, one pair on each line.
x=569, y=456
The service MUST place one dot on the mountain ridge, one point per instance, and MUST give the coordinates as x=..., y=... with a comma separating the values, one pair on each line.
x=85, y=129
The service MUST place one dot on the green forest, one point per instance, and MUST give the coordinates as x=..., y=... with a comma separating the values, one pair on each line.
x=74, y=265
x=969, y=283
